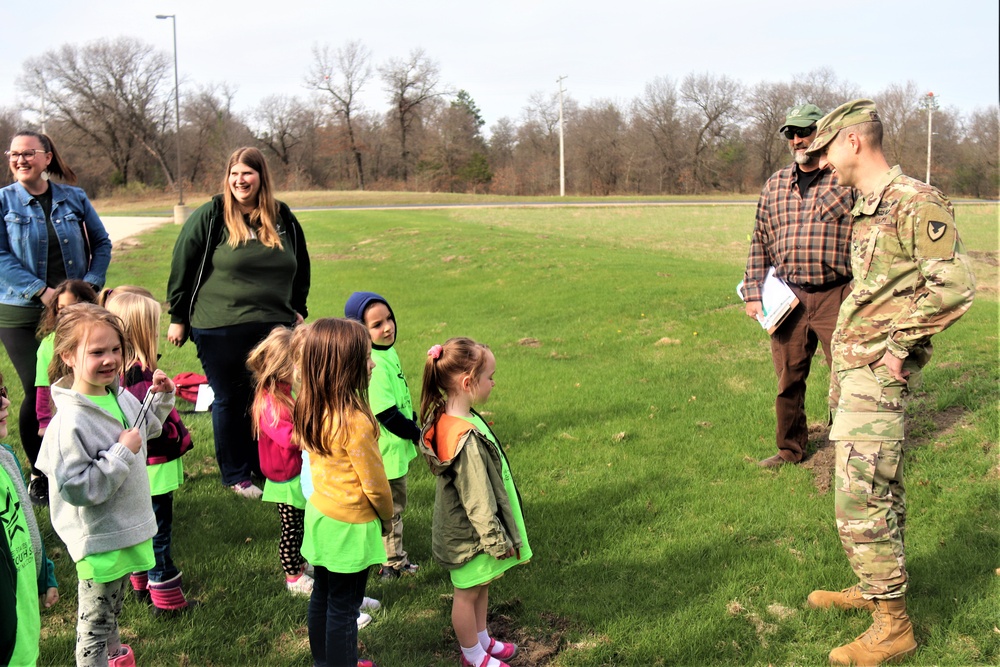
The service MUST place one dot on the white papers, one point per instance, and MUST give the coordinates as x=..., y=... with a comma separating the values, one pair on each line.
x=205, y=398
x=777, y=301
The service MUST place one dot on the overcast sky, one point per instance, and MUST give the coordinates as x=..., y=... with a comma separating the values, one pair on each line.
x=502, y=52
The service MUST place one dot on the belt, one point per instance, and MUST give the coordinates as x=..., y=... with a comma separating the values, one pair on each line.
x=810, y=289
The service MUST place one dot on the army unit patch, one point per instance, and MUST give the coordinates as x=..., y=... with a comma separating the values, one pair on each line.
x=936, y=229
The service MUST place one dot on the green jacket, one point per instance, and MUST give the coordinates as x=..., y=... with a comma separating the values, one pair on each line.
x=472, y=513
x=192, y=264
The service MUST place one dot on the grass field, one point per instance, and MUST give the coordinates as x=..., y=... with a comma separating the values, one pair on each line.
x=634, y=397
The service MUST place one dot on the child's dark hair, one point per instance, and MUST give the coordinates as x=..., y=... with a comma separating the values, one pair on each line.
x=56, y=167
x=444, y=365
x=83, y=292
x=73, y=329
x=334, y=375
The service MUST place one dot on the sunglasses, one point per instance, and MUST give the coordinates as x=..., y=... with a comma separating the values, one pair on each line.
x=3, y=391
x=800, y=132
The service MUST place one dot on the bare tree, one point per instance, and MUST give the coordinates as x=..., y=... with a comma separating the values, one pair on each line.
x=657, y=114
x=822, y=88
x=714, y=104
x=282, y=123
x=899, y=108
x=115, y=92
x=410, y=83
x=213, y=130
x=342, y=74
x=767, y=107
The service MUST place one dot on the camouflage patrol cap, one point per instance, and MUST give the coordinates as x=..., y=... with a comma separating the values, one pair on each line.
x=850, y=113
x=802, y=115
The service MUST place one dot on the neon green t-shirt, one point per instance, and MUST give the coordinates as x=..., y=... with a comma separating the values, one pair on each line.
x=42, y=360
x=22, y=599
x=388, y=388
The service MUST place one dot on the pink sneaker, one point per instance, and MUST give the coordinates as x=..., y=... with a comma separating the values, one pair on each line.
x=501, y=650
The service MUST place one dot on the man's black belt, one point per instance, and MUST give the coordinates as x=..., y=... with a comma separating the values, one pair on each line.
x=810, y=289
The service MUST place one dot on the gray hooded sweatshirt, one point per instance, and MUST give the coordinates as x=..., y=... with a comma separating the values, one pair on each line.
x=99, y=498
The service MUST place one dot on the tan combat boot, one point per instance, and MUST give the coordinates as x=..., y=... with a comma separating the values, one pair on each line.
x=849, y=598
x=889, y=639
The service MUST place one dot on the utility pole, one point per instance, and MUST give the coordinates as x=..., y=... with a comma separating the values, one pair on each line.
x=929, y=103
x=562, y=144
x=180, y=213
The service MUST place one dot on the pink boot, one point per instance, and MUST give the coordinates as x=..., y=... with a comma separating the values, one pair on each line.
x=125, y=658
x=140, y=586
x=168, y=597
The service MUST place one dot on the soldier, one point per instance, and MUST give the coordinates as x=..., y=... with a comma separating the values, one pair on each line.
x=803, y=230
x=912, y=279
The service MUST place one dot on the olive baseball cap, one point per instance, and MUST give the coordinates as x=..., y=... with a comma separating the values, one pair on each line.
x=802, y=115
x=850, y=113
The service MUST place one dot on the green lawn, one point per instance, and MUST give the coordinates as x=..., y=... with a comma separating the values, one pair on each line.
x=634, y=397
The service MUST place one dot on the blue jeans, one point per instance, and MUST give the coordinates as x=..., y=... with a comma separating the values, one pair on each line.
x=163, y=508
x=223, y=354
x=333, y=617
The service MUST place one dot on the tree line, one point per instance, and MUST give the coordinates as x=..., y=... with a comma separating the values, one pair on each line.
x=110, y=105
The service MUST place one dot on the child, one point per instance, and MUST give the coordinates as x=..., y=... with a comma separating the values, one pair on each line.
x=140, y=316
x=25, y=573
x=66, y=293
x=389, y=398
x=350, y=508
x=478, y=529
x=280, y=459
x=94, y=452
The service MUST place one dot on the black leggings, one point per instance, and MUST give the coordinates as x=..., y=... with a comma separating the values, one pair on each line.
x=290, y=543
x=22, y=347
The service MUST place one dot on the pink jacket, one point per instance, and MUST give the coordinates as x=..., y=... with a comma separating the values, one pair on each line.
x=280, y=460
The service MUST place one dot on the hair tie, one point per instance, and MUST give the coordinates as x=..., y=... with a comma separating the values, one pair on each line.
x=434, y=352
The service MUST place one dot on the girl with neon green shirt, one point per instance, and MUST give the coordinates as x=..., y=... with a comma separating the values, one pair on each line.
x=478, y=528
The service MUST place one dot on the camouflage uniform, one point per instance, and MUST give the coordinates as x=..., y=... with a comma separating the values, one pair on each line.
x=912, y=279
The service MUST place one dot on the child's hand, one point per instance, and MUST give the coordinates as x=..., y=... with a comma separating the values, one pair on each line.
x=162, y=383
x=132, y=439
x=510, y=552
x=50, y=598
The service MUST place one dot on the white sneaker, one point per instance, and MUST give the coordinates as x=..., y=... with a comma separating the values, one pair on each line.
x=248, y=490
x=301, y=586
x=363, y=620
x=370, y=604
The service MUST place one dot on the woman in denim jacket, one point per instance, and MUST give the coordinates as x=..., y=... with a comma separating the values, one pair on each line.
x=51, y=233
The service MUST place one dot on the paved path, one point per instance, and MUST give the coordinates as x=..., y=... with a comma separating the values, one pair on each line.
x=120, y=227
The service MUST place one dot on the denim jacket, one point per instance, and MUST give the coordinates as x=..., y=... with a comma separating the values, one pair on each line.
x=24, y=238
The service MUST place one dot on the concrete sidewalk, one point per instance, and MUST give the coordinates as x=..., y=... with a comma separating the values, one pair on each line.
x=119, y=227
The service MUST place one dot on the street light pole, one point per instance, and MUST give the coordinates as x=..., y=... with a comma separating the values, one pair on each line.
x=562, y=152
x=179, y=211
x=929, y=104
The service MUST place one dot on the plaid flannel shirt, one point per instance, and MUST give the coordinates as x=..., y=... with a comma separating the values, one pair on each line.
x=807, y=239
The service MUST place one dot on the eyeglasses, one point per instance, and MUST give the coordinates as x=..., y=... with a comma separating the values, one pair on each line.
x=800, y=132
x=29, y=154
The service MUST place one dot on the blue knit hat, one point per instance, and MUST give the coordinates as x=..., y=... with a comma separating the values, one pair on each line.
x=359, y=302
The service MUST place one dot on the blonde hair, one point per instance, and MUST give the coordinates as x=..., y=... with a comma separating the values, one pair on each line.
x=457, y=357
x=271, y=364
x=73, y=330
x=140, y=316
x=107, y=292
x=265, y=214
x=334, y=370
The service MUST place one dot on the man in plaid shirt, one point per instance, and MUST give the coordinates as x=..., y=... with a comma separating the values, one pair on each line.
x=803, y=229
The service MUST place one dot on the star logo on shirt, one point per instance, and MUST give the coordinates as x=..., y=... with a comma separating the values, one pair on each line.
x=9, y=510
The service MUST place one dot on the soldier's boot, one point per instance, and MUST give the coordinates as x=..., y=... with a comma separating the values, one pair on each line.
x=889, y=639
x=849, y=598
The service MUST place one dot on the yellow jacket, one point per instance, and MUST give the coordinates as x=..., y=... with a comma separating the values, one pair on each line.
x=350, y=484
